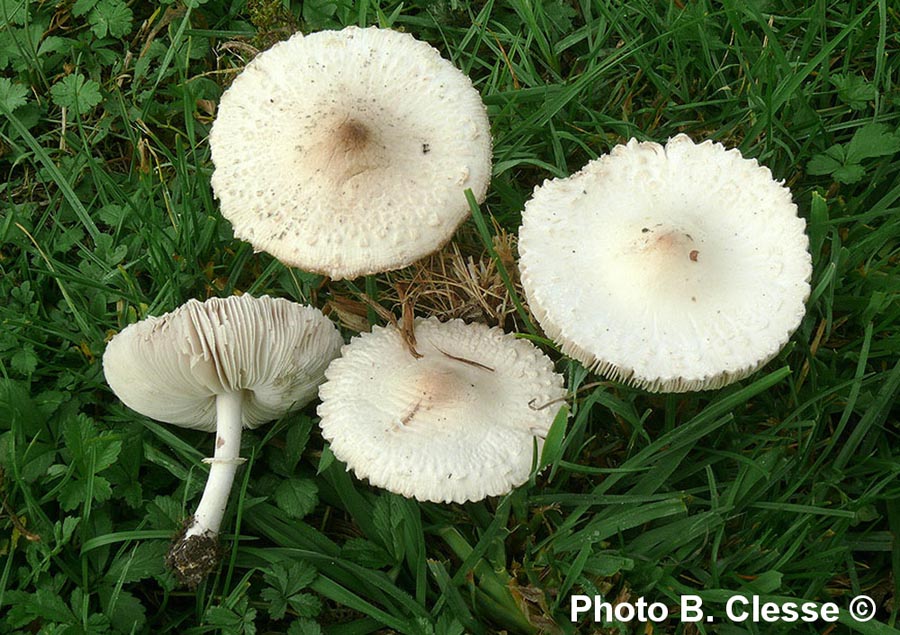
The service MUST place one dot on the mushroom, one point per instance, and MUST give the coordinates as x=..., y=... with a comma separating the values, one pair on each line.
x=221, y=365
x=673, y=268
x=349, y=152
x=456, y=424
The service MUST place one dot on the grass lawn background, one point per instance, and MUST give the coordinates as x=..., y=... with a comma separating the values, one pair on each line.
x=786, y=484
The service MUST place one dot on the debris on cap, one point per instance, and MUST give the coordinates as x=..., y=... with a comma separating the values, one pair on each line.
x=349, y=152
x=672, y=268
x=457, y=424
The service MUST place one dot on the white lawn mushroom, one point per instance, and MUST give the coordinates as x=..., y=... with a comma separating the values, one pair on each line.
x=220, y=365
x=673, y=268
x=457, y=424
x=349, y=152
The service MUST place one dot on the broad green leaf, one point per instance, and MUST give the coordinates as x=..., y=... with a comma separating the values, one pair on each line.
x=826, y=162
x=38, y=459
x=63, y=530
x=285, y=582
x=81, y=7
x=849, y=174
x=872, y=140
x=325, y=460
x=284, y=590
x=854, y=90
x=15, y=41
x=110, y=17
x=277, y=602
x=560, y=15
x=11, y=95
x=46, y=604
x=366, y=553
x=112, y=214
x=297, y=497
x=145, y=560
x=236, y=619
x=296, y=439
x=126, y=613
x=13, y=11
x=107, y=451
x=76, y=93
x=305, y=604
x=387, y=519
x=164, y=512
x=24, y=361
x=77, y=431
x=304, y=626
x=75, y=492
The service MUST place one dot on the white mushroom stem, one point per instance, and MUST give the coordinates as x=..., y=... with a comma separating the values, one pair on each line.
x=223, y=465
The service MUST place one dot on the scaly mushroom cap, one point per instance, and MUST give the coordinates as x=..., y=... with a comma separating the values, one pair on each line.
x=672, y=268
x=171, y=368
x=349, y=152
x=457, y=424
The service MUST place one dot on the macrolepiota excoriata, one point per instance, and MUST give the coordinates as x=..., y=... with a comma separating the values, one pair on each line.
x=349, y=152
x=672, y=268
x=457, y=423
x=223, y=365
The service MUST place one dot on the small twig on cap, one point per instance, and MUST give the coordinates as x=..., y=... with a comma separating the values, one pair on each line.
x=412, y=413
x=470, y=362
x=406, y=331
x=383, y=313
x=408, y=320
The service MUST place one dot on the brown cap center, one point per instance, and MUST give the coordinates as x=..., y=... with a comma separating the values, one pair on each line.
x=352, y=136
x=668, y=244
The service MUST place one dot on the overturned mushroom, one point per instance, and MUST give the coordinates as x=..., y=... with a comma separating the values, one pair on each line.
x=221, y=365
x=673, y=268
x=458, y=423
x=349, y=152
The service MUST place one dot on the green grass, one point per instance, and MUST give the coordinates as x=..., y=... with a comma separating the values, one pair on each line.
x=786, y=484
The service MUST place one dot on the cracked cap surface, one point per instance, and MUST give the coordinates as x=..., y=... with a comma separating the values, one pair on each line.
x=672, y=268
x=460, y=423
x=349, y=152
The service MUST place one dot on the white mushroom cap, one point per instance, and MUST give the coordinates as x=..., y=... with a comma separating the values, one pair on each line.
x=672, y=268
x=171, y=368
x=457, y=424
x=349, y=152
